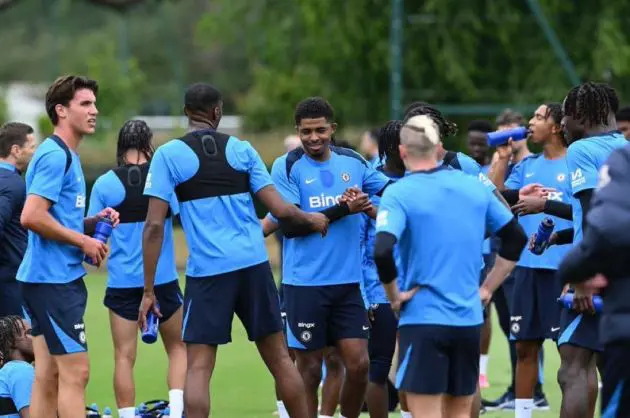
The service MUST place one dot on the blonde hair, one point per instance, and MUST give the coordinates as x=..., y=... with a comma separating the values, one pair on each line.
x=420, y=135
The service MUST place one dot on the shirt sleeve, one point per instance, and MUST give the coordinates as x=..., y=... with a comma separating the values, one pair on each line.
x=243, y=157
x=48, y=175
x=486, y=182
x=97, y=203
x=515, y=179
x=160, y=181
x=468, y=165
x=497, y=215
x=583, y=169
x=21, y=384
x=6, y=206
x=285, y=182
x=391, y=216
x=373, y=180
x=174, y=204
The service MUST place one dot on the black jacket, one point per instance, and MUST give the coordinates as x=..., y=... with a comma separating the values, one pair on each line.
x=13, y=237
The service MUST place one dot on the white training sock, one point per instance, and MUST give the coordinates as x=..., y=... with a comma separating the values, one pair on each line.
x=523, y=408
x=325, y=416
x=483, y=364
x=282, y=410
x=405, y=414
x=176, y=402
x=127, y=412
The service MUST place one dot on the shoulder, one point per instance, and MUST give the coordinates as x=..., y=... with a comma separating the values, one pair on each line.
x=17, y=368
x=50, y=151
x=238, y=145
x=286, y=163
x=527, y=160
x=580, y=148
x=348, y=153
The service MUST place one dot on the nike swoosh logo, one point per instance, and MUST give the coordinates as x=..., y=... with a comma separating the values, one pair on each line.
x=309, y=181
x=528, y=175
x=365, y=328
x=555, y=329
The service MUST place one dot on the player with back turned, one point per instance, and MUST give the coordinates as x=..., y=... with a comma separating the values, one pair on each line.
x=228, y=272
x=440, y=309
x=589, y=124
x=122, y=188
x=51, y=272
x=321, y=289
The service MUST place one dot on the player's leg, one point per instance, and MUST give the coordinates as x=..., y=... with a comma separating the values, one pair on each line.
x=463, y=368
x=333, y=381
x=382, y=345
x=74, y=371
x=282, y=410
x=258, y=308
x=170, y=298
x=402, y=397
x=44, y=392
x=486, y=330
x=349, y=327
x=124, y=337
x=615, y=398
x=208, y=312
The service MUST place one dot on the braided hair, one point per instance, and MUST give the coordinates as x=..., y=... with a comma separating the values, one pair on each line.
x=134, y=134
x=446, y=128
x=388, y=141
x=10, y=330
x=591, y=103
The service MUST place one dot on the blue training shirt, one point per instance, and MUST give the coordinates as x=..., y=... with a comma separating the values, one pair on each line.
x=223, y=232
x=585, y=157
x=550, y=173
x=439, y=218
x=48, y=261
x=314, y=186
x=487, y=250
x=16, y=383
x=374, y=290
x=124, y=264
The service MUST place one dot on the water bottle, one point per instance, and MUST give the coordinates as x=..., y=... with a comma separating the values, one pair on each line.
x=542, y=236
x=166, y=413
x=93, y=412
x=102, y=232
x=501, y=137
x=153, y=323
x=136, y=414
x=567, y=301
x=107, y=412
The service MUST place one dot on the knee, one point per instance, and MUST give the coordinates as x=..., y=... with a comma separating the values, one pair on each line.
x=379, y=371
x=570, y=372
x=47, y=378
x=527, y=352
x=334, y=366
x=125, y=356
x=311, y=371
x=77, y=375
x=358, y=367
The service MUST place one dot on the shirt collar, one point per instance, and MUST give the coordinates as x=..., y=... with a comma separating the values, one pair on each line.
x=8, y=166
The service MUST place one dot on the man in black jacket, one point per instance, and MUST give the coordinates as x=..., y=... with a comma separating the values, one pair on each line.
x=17, y=145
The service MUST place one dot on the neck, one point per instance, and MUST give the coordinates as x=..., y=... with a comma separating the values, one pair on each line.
x=9, y=160
x=17, y=356
x=196, y=125
x=133, y=156
x=554, y=148
x=600, y=129
x=420, y=163
x=520, y=153
x=323, y=157
x=483, y=161
x=67, y=135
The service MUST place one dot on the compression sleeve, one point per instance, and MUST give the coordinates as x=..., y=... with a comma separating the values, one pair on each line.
x=559, y=209
x=513, y=240
x=564, y=236
x=511, y=196
x=333, y=213
x=384, y=256
x=585, y=201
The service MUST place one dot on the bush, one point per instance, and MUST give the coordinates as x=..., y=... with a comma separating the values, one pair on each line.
x=4, y=111
x=44, y=126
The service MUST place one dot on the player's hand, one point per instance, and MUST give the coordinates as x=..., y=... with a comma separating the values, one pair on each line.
x=94, y=249
x=319, y=222
x=545, y=245
x=504, y=152
x=565, y=289
x=596, y=283
x=148, y=303
x=583, y=299
x=350, y=194
x=111, y=214
x=529, y=205
x=360, y=203
x=371, y=315
x=486, y=295
x=534, y=190
x=401, y=299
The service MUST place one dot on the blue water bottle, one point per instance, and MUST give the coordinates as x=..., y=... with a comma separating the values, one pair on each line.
x=102, y=232
x=153, y=323
x=93, y=411
x=501, y=137
x=107, y=412
x=567, y=301
x=542, y=236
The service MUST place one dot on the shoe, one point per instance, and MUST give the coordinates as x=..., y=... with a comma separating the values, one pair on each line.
x=483, y=381
x=505, y=402
x=482, y=410
x=541, y=403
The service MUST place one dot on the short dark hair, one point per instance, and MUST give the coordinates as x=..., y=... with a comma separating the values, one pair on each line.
x=201, y=97
x=445, y=127
x=623, y=114
x=314, y=108
x=134, y=134
x=554, y=111
x=510, y=117
x=13, y=133
x=62, y=91
x=591, y=102
x=480, y=125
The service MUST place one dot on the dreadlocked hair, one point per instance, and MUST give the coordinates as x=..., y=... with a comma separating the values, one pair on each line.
x=134, y=134
x=554, y=111
x=590, y=102
x=446, y=128
x=10, y=331
x=388, y=139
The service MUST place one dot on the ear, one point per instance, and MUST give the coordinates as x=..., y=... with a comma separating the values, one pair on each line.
x=402, y=149
x=333, y=127
x=61, y=111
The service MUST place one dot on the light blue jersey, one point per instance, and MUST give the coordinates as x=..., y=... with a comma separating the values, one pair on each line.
x=585, y=157
x=124, y=264
x=440, y=239
x=374, y=291
x=16, y=383
x=550, y=173
x=48, y=261
x=222, y=231
x=314, y=186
